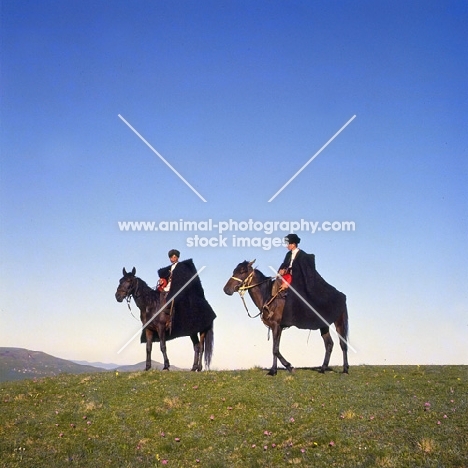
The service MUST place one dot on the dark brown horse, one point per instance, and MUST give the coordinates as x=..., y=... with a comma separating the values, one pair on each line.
x=156, y=320
x=246, y=278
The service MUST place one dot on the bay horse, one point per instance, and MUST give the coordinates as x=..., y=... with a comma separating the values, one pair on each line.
x=156, y=321
x=246, y=278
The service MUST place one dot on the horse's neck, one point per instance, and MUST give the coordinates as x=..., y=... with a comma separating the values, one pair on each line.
x=142, y=295
x=261, y=292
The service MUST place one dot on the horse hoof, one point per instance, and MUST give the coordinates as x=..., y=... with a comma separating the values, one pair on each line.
x=272, y=372
x=291, y=369
x=166, y=369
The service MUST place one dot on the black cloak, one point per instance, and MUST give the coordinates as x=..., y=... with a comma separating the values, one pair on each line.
x=192, y=312
x=308, y=285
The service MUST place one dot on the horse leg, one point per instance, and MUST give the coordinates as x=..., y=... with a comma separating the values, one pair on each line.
x=162, y=345
x=341, y=326
x=328, y=342
x=149, y=346
x=196, y=350
x=276, y=331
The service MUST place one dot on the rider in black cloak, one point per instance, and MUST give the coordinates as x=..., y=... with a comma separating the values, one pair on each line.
x=191, y=311
x=307, y=287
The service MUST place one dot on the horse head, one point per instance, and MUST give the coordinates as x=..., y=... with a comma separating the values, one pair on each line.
x=239, y=276
x=127, y=285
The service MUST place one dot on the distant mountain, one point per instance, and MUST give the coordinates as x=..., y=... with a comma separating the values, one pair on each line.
x=126, y=368
x=101, y=365
x=141, y=366
x=20, y=364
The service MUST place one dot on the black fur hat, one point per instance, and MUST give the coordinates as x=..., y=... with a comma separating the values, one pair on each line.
x=292, y=239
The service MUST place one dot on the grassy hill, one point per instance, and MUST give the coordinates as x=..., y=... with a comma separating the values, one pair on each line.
x=19, y=364
x=377, y=416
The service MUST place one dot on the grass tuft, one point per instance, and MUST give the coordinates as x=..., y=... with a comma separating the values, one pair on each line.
x=427, y=445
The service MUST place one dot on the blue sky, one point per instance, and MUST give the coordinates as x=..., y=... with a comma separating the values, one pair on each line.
x=237, y=96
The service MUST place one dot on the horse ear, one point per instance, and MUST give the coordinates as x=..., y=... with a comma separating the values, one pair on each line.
x=252, y=262
x=124, y=271
x=133, y=271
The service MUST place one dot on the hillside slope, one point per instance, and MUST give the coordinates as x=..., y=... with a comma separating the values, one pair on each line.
x=20, y=364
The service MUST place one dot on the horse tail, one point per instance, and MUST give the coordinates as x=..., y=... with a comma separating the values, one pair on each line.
x=209, y=345
x=342, y=325
x=345, y=323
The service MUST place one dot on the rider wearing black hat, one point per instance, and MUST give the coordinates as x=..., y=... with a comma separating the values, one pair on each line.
x=301, y=266
x=308, y=293
x=185, y=297
x=292, y=241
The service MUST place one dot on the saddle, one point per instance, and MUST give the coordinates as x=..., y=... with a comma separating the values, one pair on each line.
x=279, y=291
x=281, y=283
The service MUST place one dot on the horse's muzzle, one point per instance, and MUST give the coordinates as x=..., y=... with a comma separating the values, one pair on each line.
x=229, y=289
x=119, y=297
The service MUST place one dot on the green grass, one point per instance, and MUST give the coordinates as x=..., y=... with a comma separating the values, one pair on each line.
x=376, y=417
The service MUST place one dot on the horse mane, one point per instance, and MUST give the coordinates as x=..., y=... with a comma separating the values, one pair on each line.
x=147, y=293
x=262, y=276
x=265, y=285
x=143, y=283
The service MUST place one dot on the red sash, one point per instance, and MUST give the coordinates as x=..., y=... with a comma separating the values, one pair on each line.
x=287, y=278
x=162, y=283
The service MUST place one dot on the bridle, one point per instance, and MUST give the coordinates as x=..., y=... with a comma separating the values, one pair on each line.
x=245, y=285
x=132, y=291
